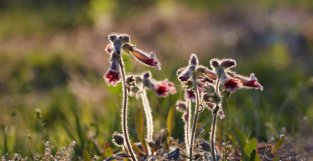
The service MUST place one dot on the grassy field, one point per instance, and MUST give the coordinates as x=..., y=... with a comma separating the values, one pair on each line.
x=52, y=61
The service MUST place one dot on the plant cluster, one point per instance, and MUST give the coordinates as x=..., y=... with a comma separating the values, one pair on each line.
x=204, y=88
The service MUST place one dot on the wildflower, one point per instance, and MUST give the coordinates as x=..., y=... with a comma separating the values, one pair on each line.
x=231, y=84
x=143, y=57
x=164, y=88
x=230, y=81
x=161, y=88
x=112, y=76
x=249, y=82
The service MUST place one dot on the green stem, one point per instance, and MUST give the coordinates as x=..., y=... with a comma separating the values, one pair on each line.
x=124, y=114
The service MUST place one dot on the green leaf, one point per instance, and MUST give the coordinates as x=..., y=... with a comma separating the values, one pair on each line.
x=252, y=155
x=140, y=125
x=86, y=155
x=170, y=121
x=278, y=144
x=250, y=150
x=250, y=146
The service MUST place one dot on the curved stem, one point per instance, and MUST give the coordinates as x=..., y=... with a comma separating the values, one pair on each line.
x=149, y=119
x=195, y=120
x=124, y=114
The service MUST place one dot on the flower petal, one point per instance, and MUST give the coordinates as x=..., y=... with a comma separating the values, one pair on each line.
x=232, y=85
x=164, y=88
x=112, y=77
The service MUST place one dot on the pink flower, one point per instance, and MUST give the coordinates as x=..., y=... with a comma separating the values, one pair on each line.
x=145, y=58
x=230, y=80
x=232, y=84
x=164, y=88
x=109, y=48
x=112, y=76
x=249, y=83
x=189, y=95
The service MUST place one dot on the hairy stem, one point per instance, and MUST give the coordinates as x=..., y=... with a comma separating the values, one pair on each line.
x=187, y=126
x=226, y=139
x=124, y=114
x=213, y=126
x=195, y=120
x=149, y=118
x=213, y=129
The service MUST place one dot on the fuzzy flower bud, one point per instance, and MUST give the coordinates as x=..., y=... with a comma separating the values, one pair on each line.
x=190, y=95
x=186, y=74
x=117, y=139
x=181, y=106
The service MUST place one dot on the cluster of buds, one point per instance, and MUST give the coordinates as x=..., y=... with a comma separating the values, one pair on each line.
x=137, y=83
x=121, y=44
x=211, y=83
x=207, y=87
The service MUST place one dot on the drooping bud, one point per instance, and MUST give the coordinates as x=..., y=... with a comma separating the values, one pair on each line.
x=112, y=76
x=143, y=57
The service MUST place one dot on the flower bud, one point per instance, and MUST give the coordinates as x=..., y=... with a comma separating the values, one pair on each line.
x=214, y=63
x=112, y=37
x=228, y=63
x=181, y=106
x=125, y=38
x=118, y=139
x=193, y=61
x=130, y=81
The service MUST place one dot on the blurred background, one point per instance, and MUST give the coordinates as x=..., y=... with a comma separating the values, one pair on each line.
x=52, y=61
